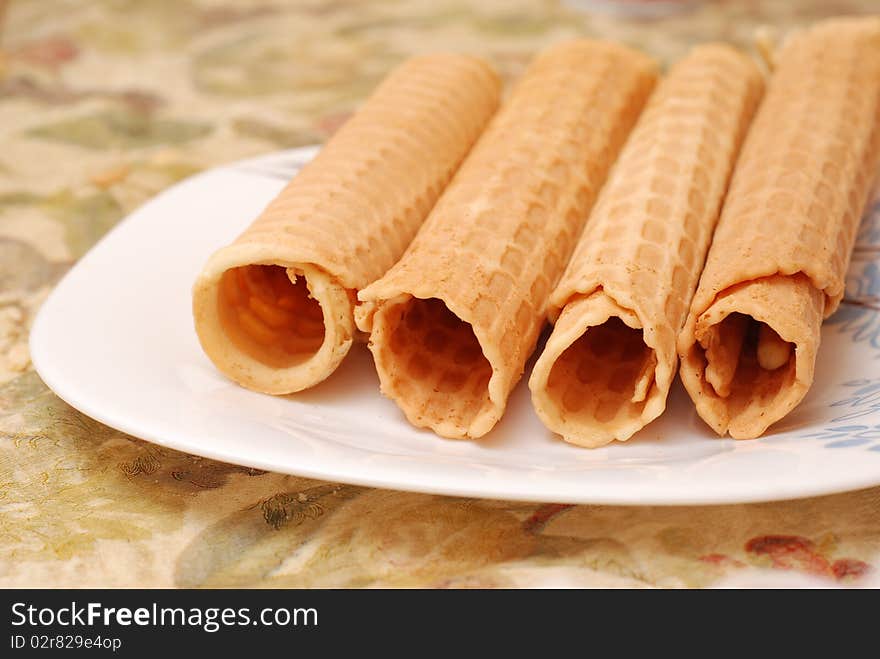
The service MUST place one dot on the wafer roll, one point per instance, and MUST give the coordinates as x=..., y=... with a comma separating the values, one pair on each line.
x=779, y=256
x=455, y=320
x=607, y=367
x=274, y=310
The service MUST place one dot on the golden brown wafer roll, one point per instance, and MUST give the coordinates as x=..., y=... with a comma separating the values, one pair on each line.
x=455, y=320
x=608, y=365
x=783, y=243
x=274, y=310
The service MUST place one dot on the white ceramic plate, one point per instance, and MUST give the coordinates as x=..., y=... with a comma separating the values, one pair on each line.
x=116, y=341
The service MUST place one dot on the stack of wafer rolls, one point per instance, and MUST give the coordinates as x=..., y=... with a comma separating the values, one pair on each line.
x=606, y=369
x=779, y=256
x=454, y=321
x=274, y=310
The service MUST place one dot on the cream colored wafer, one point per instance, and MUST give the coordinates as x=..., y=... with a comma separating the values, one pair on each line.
x=783, y=243
x=274, y=310
x=455, y=320
x=608, y=365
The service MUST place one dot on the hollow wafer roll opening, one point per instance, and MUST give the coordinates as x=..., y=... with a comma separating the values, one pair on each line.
x=752, y=353
x=744, y=352
x=268, y=312
x=338, y=225
x=782, y=246
x=274, y=327
x=435, y=363
x=596, y=378
x=496, y=242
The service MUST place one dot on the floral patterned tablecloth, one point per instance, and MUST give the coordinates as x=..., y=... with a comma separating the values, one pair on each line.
x=105, y=103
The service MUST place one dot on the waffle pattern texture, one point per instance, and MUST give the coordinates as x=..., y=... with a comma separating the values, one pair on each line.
x=345, y=219
x=792, y=212
x=495, y=245
x=608, y=365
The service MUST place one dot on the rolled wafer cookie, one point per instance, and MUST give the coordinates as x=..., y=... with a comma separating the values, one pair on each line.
x=779, y=256
x=454, y=321
x=607, y=367
x=274, y=310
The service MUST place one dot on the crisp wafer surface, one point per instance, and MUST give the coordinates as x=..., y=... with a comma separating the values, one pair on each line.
x=786, y=232
x=807, y=165
x=338, y=225
x=497, y=241
x=608, y=366
x=354, y=209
